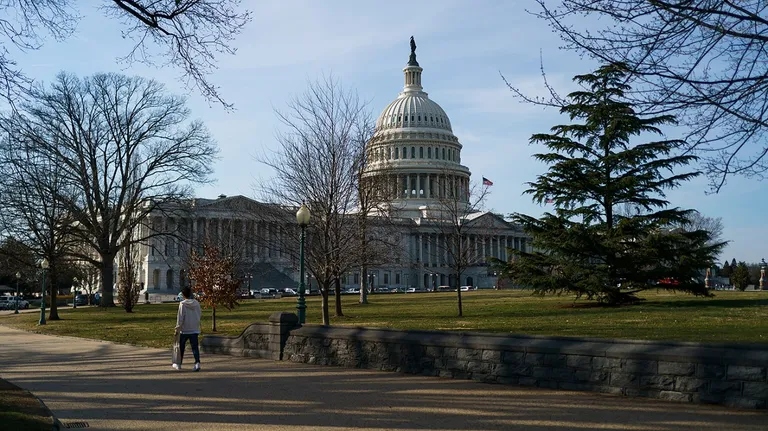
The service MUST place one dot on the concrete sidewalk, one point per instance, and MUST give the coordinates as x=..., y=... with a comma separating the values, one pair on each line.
x=119, y=387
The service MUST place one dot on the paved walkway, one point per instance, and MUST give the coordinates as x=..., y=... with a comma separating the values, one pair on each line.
x=119, y=387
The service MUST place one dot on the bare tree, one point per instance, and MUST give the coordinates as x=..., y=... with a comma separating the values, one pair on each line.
x=29, y=184
x=125, y=148
x=187, y=33
x=317, y=162
x=458, y=210
x=701, y=60
x=128, y=280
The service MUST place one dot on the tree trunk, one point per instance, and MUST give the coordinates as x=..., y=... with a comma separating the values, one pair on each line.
x=458, y=293
x=53, y=313
x=107, y=282
x=363, y=284
x=337, y=286
x=214, y=318
x=324, y=295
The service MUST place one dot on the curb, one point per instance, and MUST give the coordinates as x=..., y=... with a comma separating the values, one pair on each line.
x=57, y=425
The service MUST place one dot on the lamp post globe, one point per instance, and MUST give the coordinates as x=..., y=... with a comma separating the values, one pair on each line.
x=18, y=277
x=44, y=267
x=302, y=218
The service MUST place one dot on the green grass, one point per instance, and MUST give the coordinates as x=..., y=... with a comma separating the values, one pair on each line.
x=21, y=411
x=729, y=317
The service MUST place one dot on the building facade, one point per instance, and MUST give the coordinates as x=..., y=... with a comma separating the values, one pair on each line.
x=415, y=154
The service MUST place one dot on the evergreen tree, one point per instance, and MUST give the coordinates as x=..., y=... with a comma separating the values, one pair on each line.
x=740, y=276
x=733, y=265
x=726, y=271
x=587, y=247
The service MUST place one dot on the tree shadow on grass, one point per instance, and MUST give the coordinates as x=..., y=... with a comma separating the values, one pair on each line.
x=719, y=303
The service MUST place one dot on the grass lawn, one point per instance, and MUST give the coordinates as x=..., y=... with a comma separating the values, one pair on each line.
x=21, y=411
x=728, y=317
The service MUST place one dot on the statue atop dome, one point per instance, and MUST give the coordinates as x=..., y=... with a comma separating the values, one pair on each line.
x=412, y=60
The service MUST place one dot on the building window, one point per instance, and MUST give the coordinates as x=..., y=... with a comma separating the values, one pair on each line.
x=397, y=278
x=386, y=277
x=413, y=152
x=429, y=152
x=443, y=153
x=397, y=152
x=156, y=279
x=169, y=279
x=389, y=153
x=356, y=278
x=421, y=152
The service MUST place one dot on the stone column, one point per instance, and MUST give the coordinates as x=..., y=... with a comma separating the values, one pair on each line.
x=408, y=186
x=418, y=186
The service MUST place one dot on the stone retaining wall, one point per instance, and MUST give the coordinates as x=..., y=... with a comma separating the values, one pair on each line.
x=733, y=375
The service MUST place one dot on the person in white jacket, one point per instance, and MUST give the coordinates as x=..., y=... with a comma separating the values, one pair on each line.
x=188, y=326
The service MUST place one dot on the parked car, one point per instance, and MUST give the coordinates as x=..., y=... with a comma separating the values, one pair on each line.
x=81, y=299
x=9, y=303
x=445, y=289
x=268, y=292
x=468, y=288
x=289, y=292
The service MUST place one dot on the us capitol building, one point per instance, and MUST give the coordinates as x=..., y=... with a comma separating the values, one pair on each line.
x=414, y=152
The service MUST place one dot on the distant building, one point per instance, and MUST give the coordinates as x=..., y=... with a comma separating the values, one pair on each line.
x=413, y=151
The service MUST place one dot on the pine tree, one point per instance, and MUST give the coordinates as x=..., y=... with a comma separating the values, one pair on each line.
x=587, y=247
x=733, y=265
x=726, y=271
x=740, y=276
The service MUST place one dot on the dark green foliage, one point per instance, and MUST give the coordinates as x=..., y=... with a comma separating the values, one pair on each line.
x=586, y=247
x=726, y=271
x=740, y=277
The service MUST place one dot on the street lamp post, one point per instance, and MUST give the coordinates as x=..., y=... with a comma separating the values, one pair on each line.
x=249, y=276
x=44, y=267
x=18, y=277
x=74, y=293
x=302, y=218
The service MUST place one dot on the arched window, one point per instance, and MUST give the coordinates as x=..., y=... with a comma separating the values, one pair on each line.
x=413, y=152
x=156, y=279
x=169, y=279
x=421, y=152
x=443, y=153
x=429, y=152
x=397, y=151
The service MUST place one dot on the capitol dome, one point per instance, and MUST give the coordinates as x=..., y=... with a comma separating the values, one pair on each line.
x=413, y=109
x=414, y=151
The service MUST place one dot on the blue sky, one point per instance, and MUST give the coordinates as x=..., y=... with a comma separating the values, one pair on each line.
x=463, y=47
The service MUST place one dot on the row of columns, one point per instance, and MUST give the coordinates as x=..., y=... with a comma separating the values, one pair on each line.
x=256, y=235
x=435, y=247
x=384, y=153
x=428, y=186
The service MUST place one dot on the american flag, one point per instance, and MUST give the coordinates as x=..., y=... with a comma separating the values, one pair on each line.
x=487, y=182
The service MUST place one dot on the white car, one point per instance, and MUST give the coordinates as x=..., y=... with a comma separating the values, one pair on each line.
x=467, y=288
x=9, y=303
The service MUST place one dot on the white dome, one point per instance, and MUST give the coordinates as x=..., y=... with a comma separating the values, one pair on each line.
x=413, y=109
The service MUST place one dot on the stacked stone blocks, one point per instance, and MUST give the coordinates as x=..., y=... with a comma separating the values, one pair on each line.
x=686, y=372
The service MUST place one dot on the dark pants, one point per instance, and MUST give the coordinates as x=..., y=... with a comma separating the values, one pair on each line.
x=192, y=342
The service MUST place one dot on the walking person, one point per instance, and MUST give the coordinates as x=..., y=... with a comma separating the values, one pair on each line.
x=187, y=328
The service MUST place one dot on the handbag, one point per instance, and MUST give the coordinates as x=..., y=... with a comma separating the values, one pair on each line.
x=177, y=349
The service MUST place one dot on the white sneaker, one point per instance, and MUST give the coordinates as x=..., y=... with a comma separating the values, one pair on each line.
x=177, y=367
x=196, y=367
